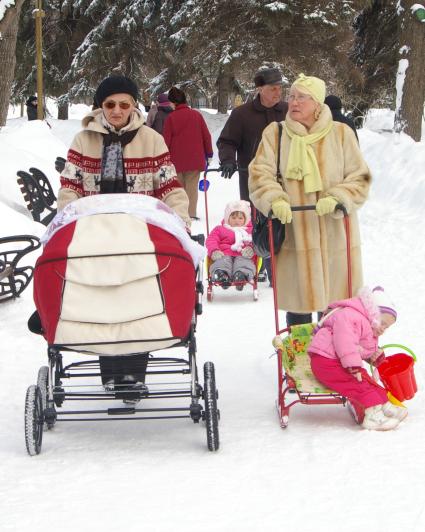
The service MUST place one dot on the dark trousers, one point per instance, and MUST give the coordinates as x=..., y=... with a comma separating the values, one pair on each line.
x=243, y=185
x=34, y=323
x=115, y=367
x=293, y=318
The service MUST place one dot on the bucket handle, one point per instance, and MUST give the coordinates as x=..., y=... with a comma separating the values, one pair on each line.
x=402, y=347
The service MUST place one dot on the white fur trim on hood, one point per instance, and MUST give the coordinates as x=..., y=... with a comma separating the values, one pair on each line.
x=366, y=296
x=376, y=302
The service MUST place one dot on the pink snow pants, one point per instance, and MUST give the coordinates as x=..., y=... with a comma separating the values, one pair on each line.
x=330, y=372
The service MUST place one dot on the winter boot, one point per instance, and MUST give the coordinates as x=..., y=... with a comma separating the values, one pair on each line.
x=375, y=419
x=397, y=412
x=239, y=278
x=220, y=276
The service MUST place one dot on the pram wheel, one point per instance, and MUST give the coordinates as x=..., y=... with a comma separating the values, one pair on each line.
x=43, y=384
x=211, y=411
x=34, y=420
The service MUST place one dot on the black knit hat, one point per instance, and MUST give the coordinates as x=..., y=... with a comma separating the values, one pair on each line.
x=115, y=85
x=268, y=76
x=333, y=102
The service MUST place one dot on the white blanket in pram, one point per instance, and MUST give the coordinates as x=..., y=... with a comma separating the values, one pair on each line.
x=148, y=209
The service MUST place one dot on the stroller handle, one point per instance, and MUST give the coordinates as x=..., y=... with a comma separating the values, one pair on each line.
x=339, y=207
x=212, y=170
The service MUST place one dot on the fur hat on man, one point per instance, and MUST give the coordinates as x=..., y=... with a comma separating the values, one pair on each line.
x=268, y=76
x=115, y=85
x=313, y=86
x=237, y=206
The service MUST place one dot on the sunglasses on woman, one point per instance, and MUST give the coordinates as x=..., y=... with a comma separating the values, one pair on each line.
x=122, y=105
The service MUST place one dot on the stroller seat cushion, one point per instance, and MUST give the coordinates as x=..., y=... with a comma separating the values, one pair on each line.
x=296, y=360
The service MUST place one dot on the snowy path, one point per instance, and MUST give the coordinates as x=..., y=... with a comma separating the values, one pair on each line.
x=323, y=473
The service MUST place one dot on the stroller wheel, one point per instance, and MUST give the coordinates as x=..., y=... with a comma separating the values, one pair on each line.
x=255, y=294
x=43, y=384
x=211, y=412
x=34, y=420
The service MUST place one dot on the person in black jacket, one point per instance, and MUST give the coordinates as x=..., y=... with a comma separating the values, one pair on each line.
x=242, y=132
x=31, y=104
x=335, y=105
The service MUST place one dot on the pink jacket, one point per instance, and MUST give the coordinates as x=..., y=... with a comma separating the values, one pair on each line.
x=222, y=238
x=347, y=333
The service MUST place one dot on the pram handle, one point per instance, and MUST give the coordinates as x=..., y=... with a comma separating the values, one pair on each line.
x=339, y=207
x=212, y=170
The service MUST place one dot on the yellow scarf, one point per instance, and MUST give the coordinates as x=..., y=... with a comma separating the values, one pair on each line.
x=302, y=162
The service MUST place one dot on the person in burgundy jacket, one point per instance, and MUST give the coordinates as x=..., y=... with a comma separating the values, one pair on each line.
x=189, y=142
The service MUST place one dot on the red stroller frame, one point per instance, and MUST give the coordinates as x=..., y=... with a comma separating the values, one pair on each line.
x=211, y=282
x=286, y=384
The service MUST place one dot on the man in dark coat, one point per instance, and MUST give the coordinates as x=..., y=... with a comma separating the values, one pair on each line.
x=335, y=105
x=31, y=104
x=242, y=132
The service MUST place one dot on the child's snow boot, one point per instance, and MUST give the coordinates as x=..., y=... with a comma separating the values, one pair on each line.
x=222, y=277
x=240, y=279
x=375, y=419
x=397, y=412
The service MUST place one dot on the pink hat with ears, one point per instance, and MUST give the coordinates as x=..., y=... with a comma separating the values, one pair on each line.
x=383, y=302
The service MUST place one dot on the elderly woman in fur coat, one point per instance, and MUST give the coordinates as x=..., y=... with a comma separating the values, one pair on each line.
x=321, y=165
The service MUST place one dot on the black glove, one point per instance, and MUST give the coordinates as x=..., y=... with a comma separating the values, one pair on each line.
x=227, y=170
x=60, y=164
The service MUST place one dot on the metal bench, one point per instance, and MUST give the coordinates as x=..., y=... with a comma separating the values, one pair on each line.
x=14, y=278
x=38, y=194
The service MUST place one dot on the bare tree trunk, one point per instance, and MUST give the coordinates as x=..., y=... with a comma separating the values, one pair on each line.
x=62, y=111
x=223, y=87
x=8, y=31
x=410, y=75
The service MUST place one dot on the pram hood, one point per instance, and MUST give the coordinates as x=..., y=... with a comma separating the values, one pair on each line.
x=112, y=284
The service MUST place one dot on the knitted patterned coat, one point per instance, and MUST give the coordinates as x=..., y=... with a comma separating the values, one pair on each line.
x=147, y=165
x=311, y=266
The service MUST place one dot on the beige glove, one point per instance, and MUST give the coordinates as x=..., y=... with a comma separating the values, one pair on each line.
x=326, y=205
x=217, y=254
x=247, y=252
x=282, y=210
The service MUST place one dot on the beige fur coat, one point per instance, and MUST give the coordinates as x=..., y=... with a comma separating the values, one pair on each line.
x=312, y=264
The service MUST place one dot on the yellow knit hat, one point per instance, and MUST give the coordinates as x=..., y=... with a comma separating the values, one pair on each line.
x=314, y=86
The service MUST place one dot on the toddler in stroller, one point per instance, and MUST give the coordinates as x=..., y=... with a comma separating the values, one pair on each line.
x=346, y=335
x=230, y=248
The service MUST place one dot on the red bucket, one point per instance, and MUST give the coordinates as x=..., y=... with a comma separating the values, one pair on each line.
x=396, y=373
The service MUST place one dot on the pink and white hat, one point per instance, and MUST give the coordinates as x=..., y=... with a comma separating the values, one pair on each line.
x=383, y=302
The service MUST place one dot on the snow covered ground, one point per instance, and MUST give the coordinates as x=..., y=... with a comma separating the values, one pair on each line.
x=323, y=473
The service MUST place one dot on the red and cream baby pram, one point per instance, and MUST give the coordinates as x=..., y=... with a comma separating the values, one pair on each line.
x=118, y=276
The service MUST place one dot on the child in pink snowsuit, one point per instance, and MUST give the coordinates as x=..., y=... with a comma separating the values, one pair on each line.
x=347, y=335
x=230, y=248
